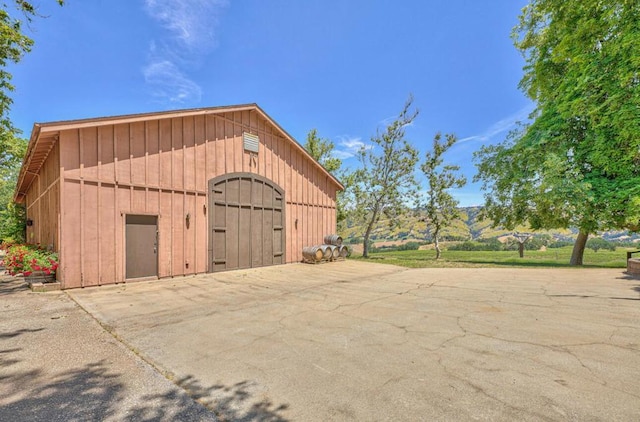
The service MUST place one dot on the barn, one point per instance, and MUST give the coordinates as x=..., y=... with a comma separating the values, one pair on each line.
x=172, y=193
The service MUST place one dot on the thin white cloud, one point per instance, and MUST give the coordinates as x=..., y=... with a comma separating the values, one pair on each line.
x=190, y=27
x=191, y=22
x=348, y=147
x=501, y=126
x=168, y=83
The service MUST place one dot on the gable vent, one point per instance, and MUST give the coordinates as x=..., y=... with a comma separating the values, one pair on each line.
x=250, y=141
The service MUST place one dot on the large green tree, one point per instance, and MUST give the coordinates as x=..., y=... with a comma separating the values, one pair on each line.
x=13, y=45
x=441, y=207
x=385, y=182
x=577, y=164
x=322, y=150
x=12, y=215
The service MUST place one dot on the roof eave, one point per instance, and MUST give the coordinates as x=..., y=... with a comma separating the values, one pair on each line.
x=304, y=151
x=19, y=194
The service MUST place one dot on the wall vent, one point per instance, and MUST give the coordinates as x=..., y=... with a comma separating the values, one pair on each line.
x=251, y=142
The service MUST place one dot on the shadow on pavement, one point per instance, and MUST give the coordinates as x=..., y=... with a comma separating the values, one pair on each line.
x=95, y=392
x=16, y=333
x=88, y=393
x=233, y=403
x=98, y=390
x=10, y=285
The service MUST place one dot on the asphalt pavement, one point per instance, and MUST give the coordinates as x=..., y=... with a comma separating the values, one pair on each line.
x=361, y=341
x=341, y=341
x=58, y=364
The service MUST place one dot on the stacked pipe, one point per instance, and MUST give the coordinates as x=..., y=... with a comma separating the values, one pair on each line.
x=331, y=250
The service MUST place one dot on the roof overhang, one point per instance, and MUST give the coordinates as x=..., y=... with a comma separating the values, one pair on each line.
x=40, y=145
x=45, y=135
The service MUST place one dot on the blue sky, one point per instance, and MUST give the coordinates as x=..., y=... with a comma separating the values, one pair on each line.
x=344, y=67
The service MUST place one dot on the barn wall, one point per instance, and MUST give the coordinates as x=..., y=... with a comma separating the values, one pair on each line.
x=43, y=203
x=162, y=167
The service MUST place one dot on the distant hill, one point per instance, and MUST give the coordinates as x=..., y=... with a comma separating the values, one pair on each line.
x=467, y=227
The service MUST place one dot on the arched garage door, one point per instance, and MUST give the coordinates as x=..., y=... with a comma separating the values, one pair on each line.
x=246, y=222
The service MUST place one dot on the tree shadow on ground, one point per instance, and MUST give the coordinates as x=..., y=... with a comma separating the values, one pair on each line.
x=21, y=331
x=83, y=394
x=229, y=403
x=95, y=392
x=5, y=362
x=10, y=285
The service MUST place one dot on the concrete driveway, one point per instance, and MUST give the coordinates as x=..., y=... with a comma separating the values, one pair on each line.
x=361, y=341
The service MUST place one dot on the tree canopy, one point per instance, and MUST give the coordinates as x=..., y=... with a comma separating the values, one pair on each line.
x=441, y=207
x=13, y=45
x=577, y=164
x=321, y=149
x=385, y=182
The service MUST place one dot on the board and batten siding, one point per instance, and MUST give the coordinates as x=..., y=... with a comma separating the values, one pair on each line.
x=162, y=166
x=42, y=204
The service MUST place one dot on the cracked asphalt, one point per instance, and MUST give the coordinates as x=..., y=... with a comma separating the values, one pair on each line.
x=355, y=340
x=58, y=364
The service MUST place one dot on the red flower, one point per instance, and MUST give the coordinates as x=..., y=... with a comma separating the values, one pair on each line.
x=26, y=273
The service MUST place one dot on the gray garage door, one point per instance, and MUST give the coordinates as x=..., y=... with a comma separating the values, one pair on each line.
x=246, y=222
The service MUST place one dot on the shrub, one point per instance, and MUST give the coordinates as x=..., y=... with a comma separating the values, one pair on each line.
x=409, y=246
x=464, y=246
x=485, y=245
x=560, y=244
x=25, y=259
x=598, y=243
x=13, y=219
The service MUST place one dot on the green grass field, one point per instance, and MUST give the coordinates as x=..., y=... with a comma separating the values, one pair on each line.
x=459, y=259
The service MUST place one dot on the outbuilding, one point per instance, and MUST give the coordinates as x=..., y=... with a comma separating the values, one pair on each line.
x=172, y=193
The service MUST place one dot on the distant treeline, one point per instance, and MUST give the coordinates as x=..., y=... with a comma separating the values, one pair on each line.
x=409, y=246
x=535, y=243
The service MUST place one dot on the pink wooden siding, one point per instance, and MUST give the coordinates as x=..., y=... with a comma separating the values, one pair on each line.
x=42, y=204
x=161, y=166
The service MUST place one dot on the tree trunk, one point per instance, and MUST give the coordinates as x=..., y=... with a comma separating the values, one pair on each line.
x=521, y=249
x=578, y=248
x=437, y=247
x=365, y=241
x=365, y=245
